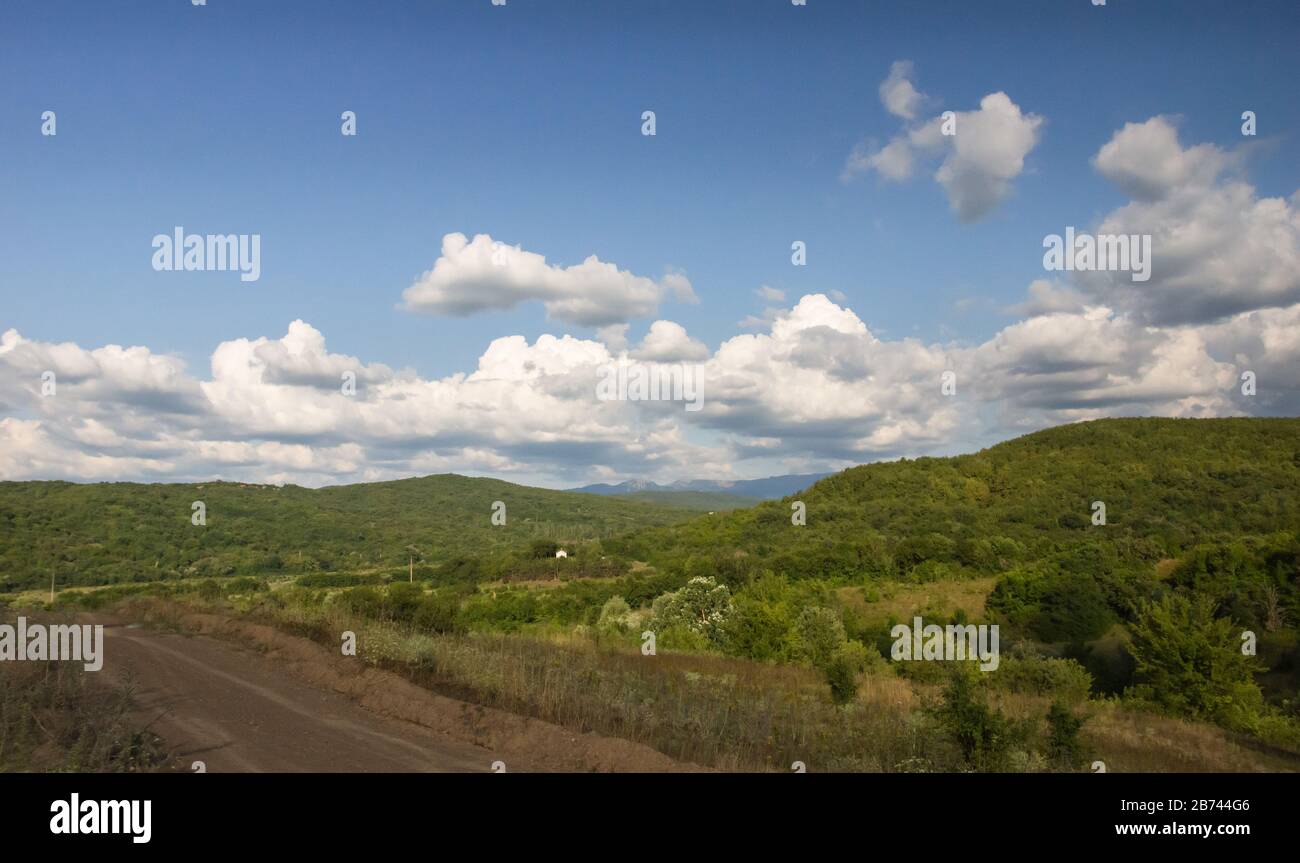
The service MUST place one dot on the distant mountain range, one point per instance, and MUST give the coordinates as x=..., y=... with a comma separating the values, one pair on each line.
x=771, y=488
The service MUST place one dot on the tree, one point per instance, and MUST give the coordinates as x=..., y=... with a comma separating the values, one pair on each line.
x=542, y=548
x=821, y=634
x=1191, y=662
x=703, y=606
x=983, y=735
x=1072, y=608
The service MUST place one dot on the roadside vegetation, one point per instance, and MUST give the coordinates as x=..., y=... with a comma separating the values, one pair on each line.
x=54, y=718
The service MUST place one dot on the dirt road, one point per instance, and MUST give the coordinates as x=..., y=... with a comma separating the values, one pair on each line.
x=239, y=711
x=240, y=696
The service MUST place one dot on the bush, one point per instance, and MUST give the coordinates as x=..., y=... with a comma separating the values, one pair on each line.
x=842, y=678
x=1053, y=606
x=863, y=658
x=332, y=579
x=983, y=735
x=1064, y=749
x=682, y=638
x=759, y=630
x=403, y=601
x=614, y=615
x=1062, y=679
x=438, y=614
x=542, y=548
x=1111, y=666
x=362, y=601
x=1190, y=662
x=820, y=634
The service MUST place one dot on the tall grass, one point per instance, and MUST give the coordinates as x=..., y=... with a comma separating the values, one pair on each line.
x=727, y=713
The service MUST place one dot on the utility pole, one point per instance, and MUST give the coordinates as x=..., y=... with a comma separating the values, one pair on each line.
x=411, y=552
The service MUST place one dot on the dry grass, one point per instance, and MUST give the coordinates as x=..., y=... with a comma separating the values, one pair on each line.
x=902, y=601
x=1132, y=741
x=53, y=718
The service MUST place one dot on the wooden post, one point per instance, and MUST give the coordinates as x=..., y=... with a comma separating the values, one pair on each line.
x=411, y=579
x=51, y=588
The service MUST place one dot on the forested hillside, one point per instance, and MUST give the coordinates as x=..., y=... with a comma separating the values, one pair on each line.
x=106, y=533
x=1166, y=485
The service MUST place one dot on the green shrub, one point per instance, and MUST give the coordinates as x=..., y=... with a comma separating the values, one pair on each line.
x=1064, y=748
x=614, y=615
x=984, y=737
x=402, y=601
x=820, y=634
x=681, y=638
x=332, y=579
x=439, y=614
x=842, y=678
x=1190, y=662
x=759, y=630
x=1062, y=679
x=1053, y=606
x=362, y=601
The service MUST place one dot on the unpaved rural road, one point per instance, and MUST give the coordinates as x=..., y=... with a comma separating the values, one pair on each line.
x=238, y=711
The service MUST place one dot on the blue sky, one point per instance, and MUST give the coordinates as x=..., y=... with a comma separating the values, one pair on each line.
x=524, y=122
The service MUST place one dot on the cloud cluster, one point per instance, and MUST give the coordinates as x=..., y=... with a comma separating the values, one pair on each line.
x=479, y=275
x=1218, y=249
x=818, y=389
x=980, y=152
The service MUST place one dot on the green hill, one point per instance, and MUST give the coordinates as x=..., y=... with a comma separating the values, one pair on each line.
x=1167, y=485
x=1200, y=544
x=106, y=533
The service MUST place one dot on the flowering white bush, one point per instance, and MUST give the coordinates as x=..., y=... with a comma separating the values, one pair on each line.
x=702, y=606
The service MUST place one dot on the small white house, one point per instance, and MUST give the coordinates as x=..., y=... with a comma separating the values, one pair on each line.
x=561, y=553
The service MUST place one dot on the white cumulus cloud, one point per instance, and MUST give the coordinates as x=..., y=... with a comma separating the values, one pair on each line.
x=479, y=275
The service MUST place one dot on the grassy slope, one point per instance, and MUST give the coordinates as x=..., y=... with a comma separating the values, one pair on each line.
x=110, y=532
